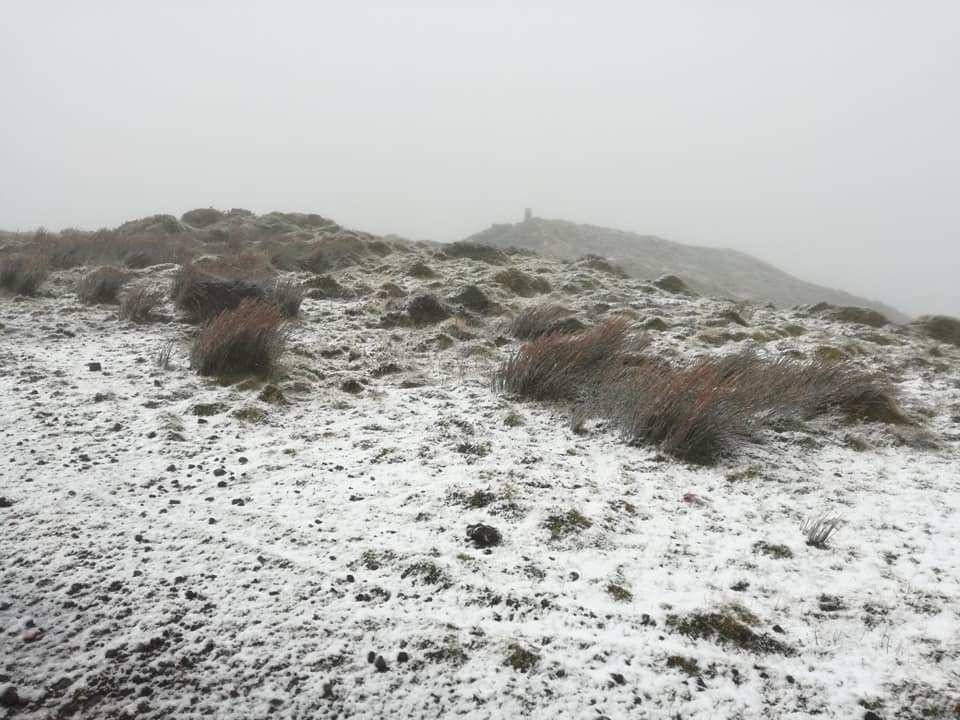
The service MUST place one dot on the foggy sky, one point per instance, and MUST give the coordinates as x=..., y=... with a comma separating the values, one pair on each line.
x=819, y=136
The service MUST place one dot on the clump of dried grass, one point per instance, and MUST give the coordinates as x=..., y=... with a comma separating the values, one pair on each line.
x=246, y=340
x=287, y=296
x=709, y=408
x=698, y=411
x=538, y=320
x=204, y=290
x=139, y=304
x=819, y=529
x=101, y=285
x=22, y=274
x=563, y=367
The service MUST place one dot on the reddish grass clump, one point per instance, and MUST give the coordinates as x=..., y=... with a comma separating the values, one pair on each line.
x=246, y=340
x=22, y=274
x=697, y=413
x=563, y=367
x=709, y=408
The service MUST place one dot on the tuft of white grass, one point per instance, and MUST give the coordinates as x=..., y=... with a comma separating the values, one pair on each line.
x=819, y=529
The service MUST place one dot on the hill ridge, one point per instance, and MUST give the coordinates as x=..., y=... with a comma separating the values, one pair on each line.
x=720, y=272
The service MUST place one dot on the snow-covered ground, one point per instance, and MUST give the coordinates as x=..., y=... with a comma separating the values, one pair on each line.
x=175, y=547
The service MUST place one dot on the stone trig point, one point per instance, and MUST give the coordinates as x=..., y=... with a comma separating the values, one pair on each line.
x=527, y=214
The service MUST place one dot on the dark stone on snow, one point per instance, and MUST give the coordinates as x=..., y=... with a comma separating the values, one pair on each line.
x=483, y=536
x=10, y=698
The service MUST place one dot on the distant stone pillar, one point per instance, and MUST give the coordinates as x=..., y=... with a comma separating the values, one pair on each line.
x=527, y=214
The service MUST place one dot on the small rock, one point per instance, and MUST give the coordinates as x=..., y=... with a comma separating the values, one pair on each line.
x=871, y=715
x=380, y=664
x=5, y=502
x=33, y=634
x=371, y=656
x=402, y=656
x=10, y=698
x=618, y=678
x=94, y=367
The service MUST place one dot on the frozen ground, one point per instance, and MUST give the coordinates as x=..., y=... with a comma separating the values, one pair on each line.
x=174, y=547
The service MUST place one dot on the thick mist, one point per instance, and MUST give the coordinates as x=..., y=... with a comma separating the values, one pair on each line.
x=821, y=137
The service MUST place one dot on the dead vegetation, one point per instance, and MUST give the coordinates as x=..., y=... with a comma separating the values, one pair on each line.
x=942, y=328
x=521, y=283
x=537, y=320
x=728, y=627
x=204, y=290
x=698, y=412
x=135, y=245
x=563, y=367
x=140, y=303
x=475, y=251
x=101, y=285
x=246, y=340
x=22, y=274
x=819, y=529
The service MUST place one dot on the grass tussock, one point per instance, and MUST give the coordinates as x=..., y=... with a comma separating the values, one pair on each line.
x=335, y=253
x=287, y=296
x=520, y=283
x=246, y=340
x=563, y=367
x=698, y=411
x=692, y=413
x=708, y=409
x=545, y=319
x=133, y=247
x=203, y=290
x=101, y=285
x=22, y=274
x=475, y=251
x=819, y=529
x=139, y=304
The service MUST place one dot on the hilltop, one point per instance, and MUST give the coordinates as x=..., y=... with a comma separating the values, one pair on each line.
x=710, y=271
